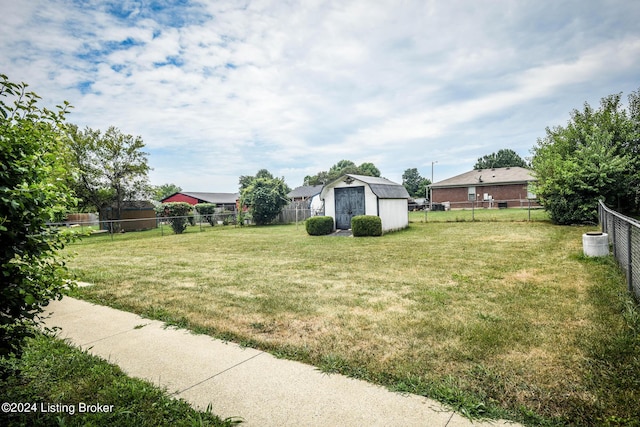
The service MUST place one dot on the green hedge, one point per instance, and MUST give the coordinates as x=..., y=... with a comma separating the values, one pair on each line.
x=178, y=213
x=206, y=211
x=366, y=225
x=319, y=225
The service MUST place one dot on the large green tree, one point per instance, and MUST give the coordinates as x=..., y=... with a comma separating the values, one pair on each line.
x=159, y=192
x=112, y=167
x=264, y=195
x=502, y=159
x=33, y=192
x=246, y=180
x=415, y=184
x=339, y=169
x=594, y=157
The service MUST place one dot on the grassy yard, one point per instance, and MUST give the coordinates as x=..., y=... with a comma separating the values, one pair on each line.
x=498, y=318
x=55, y=379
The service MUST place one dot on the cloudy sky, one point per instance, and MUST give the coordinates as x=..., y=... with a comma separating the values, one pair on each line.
x=219, y=89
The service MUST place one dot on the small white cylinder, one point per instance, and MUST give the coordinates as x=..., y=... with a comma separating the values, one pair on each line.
x=595, y=244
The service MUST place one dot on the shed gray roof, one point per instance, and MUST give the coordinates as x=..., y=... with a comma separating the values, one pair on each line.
x=481, y=177
x=305, y=191
x=381, y=187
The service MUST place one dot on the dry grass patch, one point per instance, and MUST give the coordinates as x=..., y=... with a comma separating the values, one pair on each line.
x=487, y=317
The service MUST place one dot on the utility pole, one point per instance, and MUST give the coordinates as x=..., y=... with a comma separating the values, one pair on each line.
x=431, y=188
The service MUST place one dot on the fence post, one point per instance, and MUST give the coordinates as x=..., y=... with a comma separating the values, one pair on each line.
x=629, y=258
x=613, y=237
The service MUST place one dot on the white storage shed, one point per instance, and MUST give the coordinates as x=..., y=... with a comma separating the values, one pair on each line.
x=352, y=195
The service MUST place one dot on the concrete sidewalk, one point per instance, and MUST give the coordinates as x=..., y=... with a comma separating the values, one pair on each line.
x=236, y=381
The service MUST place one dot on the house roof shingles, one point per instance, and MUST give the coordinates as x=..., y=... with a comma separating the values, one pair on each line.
x=305, y=191
x=482, y=177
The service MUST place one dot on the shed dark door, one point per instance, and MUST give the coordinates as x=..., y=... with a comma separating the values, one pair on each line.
x=349, y=203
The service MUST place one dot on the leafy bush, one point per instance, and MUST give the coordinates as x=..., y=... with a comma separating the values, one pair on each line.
x=319, y=225
x=177, y=213
x=366, y=225
x=265, y=198
x=206, y=210
x=595, y=157
x=33, y=191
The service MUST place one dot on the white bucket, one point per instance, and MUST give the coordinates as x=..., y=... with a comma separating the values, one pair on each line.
x=595, y=244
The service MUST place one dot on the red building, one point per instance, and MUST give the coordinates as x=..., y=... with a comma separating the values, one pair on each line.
x=486, y=188
x=223, y=201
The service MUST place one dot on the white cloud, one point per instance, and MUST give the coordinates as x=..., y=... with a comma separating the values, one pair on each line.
x=296, y=87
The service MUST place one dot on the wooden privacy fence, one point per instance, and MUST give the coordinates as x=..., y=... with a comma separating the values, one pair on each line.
x=624, y=235
x=292, y=214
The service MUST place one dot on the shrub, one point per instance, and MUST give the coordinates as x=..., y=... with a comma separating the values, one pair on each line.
x=319, y=225
x=206, y=210
x=177, y=213
x=366, y=225
x=33, y=191
x=265, y=198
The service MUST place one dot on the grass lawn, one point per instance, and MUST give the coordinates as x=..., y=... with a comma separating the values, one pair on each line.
x=54, y=380
x=500, y=317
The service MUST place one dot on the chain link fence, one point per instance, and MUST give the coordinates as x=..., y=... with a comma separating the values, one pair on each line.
x=624, y=235
x=90, y=225
x=162, y=224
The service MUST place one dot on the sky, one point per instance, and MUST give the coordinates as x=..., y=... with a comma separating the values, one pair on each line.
x=221, y=89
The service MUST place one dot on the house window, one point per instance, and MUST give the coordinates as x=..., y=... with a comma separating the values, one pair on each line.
x=472, y=194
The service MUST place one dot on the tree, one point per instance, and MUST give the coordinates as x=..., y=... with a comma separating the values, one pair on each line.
x=368, y=169
x=245, y=181
x=342, y=167
x=265, y=197
x=32, y=193
x=504, y=158
x=112, y=167
x=160, y=192
x=177, y=213
x=415, y=184
x=339, y=169
x=593, y=158
x=207, y=211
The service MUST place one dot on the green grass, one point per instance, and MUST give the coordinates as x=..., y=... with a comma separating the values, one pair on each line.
x=481, y=214
x=499, y=320
x=56, y=379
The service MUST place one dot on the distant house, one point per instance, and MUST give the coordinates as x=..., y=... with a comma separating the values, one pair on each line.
x=499, y=187
x=307, y=197
x=352, y=195
x=223, y=201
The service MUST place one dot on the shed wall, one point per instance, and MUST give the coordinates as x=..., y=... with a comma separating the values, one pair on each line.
x=146, y=217
x=370, y=200
x=394, y=214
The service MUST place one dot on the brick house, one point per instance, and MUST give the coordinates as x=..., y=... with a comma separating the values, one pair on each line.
x=487, y=188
